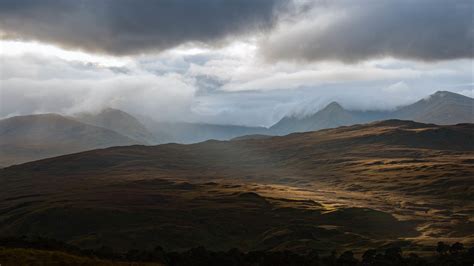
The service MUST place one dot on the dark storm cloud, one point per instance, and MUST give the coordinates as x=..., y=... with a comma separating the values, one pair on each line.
x=351, y=31
x=133, y=26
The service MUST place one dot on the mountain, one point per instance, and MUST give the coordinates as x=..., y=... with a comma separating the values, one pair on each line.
x=440, y=108
x=443, y=108
x=332, y=116
x=385, y=183
x=182, y=132
x=33, y=137
x=120, y=122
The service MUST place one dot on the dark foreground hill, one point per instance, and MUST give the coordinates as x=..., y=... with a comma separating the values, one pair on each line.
x=351, y=187
x=34, y=137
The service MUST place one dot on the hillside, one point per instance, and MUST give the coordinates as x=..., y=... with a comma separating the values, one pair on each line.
x=19, y=145
x=120, y=122
x=34, y=137
x=358, y=187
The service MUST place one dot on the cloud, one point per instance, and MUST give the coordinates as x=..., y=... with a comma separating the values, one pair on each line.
x=216, y=86
x=164, y=98
x=353, y=31
x=291, y=30
x=134, y=26
x=37, y=84
x=40, y=67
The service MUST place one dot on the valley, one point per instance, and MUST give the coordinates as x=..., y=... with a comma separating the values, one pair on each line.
x=378, y=184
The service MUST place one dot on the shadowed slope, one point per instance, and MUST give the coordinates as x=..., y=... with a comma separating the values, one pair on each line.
x=33, y=137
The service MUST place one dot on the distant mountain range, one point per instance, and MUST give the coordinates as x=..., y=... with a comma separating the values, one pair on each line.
x=331, y=116
x=442, y=108
x=33, y=137
x=150, y=132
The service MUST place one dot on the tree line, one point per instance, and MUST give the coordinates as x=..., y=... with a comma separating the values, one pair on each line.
x=445, y=255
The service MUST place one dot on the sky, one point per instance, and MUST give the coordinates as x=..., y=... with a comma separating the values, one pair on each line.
x=244, y=62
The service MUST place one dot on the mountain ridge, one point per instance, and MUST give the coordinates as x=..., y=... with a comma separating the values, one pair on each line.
x=442, y=107
x=439, y=108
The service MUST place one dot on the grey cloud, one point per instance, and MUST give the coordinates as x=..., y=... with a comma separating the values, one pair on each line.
x=134, y=26
x=352, y=31
x=39, y=84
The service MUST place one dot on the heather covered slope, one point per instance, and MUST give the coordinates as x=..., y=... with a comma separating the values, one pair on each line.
x=353, y=187
x=33, y=137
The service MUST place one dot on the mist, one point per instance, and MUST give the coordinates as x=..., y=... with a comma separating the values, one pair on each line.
x=204, y=88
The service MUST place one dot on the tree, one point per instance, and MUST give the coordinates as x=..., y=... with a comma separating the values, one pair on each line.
x=442, y=248
x=347, y=258
x=456, y=248
x=368, y=258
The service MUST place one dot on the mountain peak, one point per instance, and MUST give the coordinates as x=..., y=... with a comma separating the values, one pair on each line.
x=333, y=106
x=445, y=95
x=113, y=111
x=442, y=93
x=120, y=122
x=110, y=109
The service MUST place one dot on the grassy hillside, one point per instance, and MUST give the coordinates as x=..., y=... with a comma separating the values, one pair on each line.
x=352, y=187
